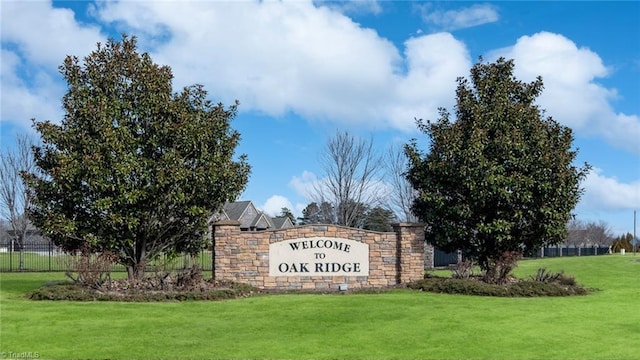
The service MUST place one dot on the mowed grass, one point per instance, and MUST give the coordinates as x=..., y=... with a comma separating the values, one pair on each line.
x=400, y=324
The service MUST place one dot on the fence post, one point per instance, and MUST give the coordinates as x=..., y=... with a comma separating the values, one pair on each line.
x=50, y=255
x=11, y=256
x=213, y=252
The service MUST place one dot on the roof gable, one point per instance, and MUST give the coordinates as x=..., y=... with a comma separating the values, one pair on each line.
x=282, y=222
x=235, y=209
x=262, y=221
x=251, y=218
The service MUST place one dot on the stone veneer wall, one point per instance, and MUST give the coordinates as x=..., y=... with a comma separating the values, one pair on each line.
x=394, y=257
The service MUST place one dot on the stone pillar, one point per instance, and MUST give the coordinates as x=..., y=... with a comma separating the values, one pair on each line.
x=429, y=257
x=224, y=243
x=409, y=252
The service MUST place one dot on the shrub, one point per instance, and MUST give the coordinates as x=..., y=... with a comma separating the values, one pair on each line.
x=75, y=292
x=462, y=270
x=542, y=275
x=66, y=291
x=498, y=270
x=88, y=269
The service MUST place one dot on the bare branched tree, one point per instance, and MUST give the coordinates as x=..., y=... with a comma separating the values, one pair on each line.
x=402, y=193
x=599, y=233
x=580, y=233
x=14, y=199
x=350, y=182
x=576, y=233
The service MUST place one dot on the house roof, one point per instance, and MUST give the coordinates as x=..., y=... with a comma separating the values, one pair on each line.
x=248, y=215
x=282, y=222
x=234, y=210
x=262, y=221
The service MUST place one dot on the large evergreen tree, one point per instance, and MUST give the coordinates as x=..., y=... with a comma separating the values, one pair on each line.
x=499, y=180
x=133, y=168
x=379, y=219
x=317, y=214
x=286, y=212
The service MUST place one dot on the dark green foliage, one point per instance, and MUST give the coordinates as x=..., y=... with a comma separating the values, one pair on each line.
x=521, y=288
x=500, y=178
x=362, y=216
x=73, y=292
x=286, y=212
x=379, y=219
x=317, y=214
x=133, y=168
x=623, y=242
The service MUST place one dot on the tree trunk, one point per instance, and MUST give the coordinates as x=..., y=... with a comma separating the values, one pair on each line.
x=135, y=273
x=20, y=259
x=497, y=269
x=20, y=254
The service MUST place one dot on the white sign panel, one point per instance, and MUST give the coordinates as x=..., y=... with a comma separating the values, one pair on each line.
x=319, y=256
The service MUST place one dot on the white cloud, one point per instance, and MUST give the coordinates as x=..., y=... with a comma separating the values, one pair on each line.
x=353, y=6
x=304, y=184
x=604, y=193
x=274, y=57
x=20, y=102
x=433, y=64
x=449, y=20
x=273, y=206
x=46, y=34
x=571, y=95
x=31, y=85
x=280, y=57
x=299, y=208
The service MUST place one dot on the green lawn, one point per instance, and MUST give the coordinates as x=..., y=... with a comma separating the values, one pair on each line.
x=399, y=324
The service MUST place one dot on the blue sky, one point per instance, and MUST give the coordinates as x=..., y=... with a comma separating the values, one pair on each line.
x=303, y=70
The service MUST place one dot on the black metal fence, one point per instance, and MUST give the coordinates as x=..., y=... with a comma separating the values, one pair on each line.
x=573, y=251
x=42, y=256
x=444, y=259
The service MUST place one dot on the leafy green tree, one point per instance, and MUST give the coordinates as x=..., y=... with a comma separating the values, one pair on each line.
x=133, y=168
x=499, y=180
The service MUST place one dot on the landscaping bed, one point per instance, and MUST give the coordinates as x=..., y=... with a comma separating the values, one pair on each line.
x=542, y=284
x=184, y=285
